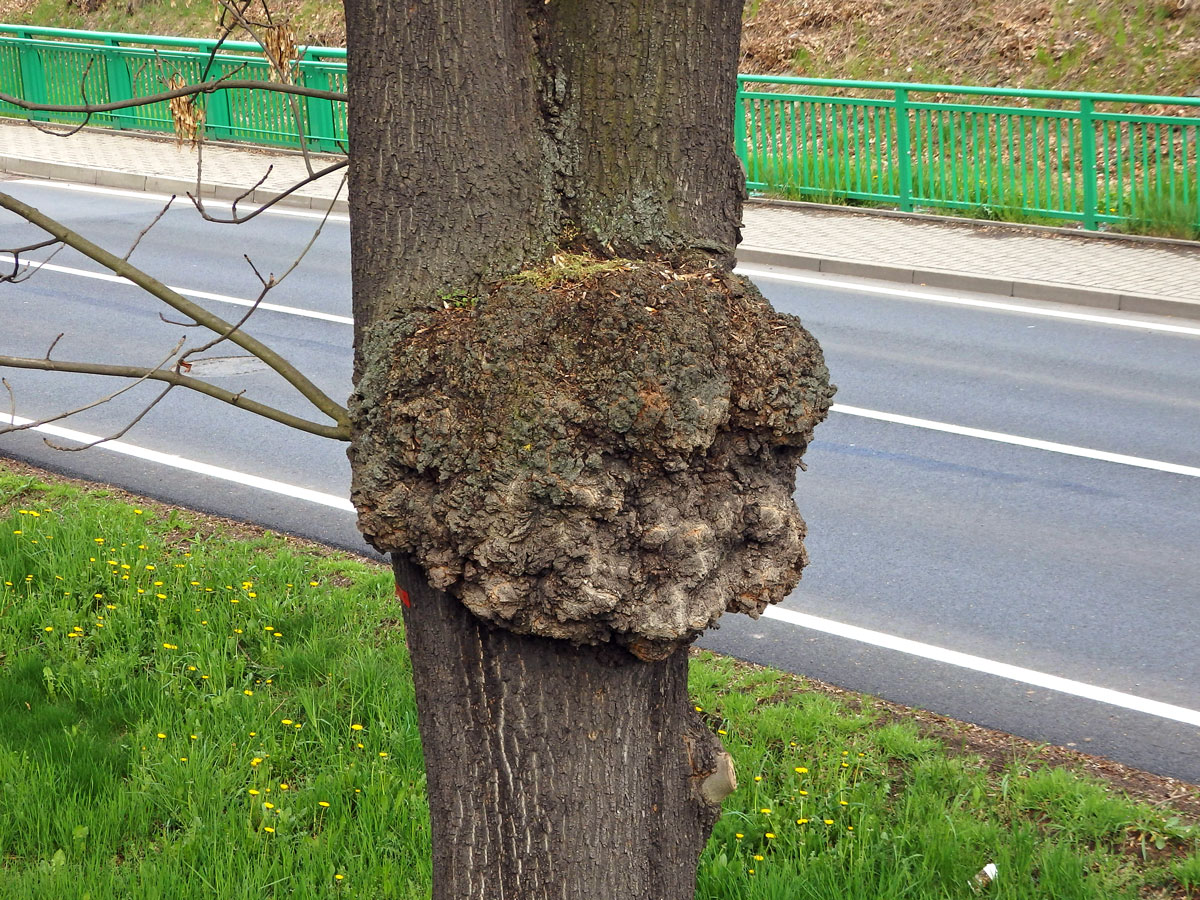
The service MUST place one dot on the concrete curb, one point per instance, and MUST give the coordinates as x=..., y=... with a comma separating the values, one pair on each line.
x=1152, y=304
x=115, y=178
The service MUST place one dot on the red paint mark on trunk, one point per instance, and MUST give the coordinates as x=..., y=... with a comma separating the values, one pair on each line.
x=403, y=595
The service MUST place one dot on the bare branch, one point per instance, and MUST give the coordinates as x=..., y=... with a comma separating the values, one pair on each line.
x=181, y=304
x=102, y=400
x=24, y=273
x=235, y=219
x=205, y=87
x=180, y=324
x=46, y=129
x=141, y=234
x=340, y=432
x=117, y=435
x=54, y=343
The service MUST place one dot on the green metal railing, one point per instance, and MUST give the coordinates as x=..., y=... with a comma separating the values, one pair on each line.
x=1000, y=152
x=57, y=65
x=1100, y=159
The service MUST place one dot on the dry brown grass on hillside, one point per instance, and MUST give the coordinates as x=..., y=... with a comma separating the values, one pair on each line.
x=1142, y=46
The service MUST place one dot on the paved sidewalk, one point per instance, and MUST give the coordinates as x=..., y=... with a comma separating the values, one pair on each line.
x=1149, y=277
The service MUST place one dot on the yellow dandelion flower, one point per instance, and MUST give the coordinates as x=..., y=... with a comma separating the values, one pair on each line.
x=758, y=857
x=738, y=835
x=161, y=736
x=770, y=835
x=268, y=805
x=803, y=793
x=248, y=693
x=758, y=778
x=253, y=792
x=324, y=804
x=828, y=821
x=256, y=761
x=356, y=727
x=801, y=770
x=170, y=647
x=313, y=583
x=48, y=628
x=269, y=830
x=765, y=812
x=338, y=877
x=722, y=731
x=383, y=754
x=802, y=821
x=843, y=803
x=286, y=721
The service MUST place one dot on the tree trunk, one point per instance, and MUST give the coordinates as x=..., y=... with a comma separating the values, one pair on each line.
x=555, y=771
x=592, y=459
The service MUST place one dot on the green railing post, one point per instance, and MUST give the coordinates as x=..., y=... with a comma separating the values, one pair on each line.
x=739, y=130
x=218, y=109
x=120, y=86
x=33, y=75
x=903, y=150
x=321, y=127
x=1087, y=129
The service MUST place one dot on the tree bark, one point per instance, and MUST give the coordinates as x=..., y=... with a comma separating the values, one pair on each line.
x=555, y=771
x=488, y=136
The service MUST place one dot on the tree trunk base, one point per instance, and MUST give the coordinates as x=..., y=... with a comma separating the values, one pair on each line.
x=556, y=771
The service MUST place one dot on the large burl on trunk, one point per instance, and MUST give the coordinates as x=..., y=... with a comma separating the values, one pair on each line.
x=575, y=429
x=597, y=451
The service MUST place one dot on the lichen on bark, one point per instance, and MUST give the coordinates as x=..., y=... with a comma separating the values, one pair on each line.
x=607, y=454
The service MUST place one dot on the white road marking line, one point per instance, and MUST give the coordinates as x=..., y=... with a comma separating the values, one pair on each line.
x=827, y=282
x=277, y=210
x=1068, y=449
x=987, y=666
x=803, y=620
x=200, y=295
x=188, y=465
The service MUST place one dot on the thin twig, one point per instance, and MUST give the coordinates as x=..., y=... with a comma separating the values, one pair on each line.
x=102, y=400
x=118, y=435
x=340, y=432
x=18, y=273
x=206, y=87
x=174, y=299
x=141, y=234
x=236, y=219
x=54, y=343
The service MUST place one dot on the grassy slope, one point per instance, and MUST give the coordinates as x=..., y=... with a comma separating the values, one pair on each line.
x=1131, y=46
x=194, y=708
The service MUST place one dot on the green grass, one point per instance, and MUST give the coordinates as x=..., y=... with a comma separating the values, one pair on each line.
x=156, y=671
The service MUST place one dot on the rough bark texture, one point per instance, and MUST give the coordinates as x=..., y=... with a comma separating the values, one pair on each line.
x=556, y=772
x=571, y=413
x=603, y=455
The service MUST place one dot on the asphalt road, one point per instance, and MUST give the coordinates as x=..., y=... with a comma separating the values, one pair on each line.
x=1063, y=565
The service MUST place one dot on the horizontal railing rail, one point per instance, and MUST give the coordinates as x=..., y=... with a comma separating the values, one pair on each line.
x=64, y=67
x=1055, y=155
x=1101, y=159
